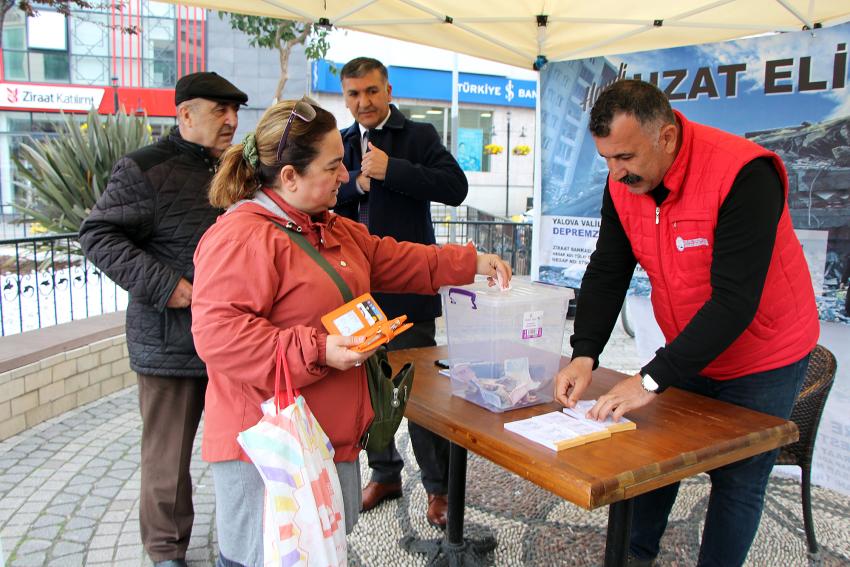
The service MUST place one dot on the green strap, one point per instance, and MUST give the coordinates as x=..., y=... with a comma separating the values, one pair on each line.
x=311, y=251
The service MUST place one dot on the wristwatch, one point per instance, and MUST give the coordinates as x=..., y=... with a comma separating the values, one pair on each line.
x=649, y=384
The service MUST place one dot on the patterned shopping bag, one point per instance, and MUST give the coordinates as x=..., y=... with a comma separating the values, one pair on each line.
x=303, y=522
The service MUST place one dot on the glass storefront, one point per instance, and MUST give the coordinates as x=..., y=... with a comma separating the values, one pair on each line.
x=475, y=130
x=439, y=117
x=17, y=128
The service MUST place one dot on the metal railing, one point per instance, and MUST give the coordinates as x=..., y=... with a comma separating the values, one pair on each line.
x=46, y=280
x=511, y=241
x=490, y=234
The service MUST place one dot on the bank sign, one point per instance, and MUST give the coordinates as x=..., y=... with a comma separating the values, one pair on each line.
x=49, y=97
x=487, y=89
x=430, y=84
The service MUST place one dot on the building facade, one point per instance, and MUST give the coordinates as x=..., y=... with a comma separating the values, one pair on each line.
x=130, y=54
x=53, y=64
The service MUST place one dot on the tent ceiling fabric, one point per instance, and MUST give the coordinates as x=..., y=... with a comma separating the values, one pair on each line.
x=508, y=30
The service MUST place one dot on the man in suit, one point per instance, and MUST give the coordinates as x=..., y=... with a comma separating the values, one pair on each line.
x=396, y=168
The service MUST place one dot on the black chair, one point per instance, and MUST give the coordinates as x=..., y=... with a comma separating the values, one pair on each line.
x=806, y=414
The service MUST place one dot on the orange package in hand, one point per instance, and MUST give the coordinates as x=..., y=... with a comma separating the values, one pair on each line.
x=362, y=317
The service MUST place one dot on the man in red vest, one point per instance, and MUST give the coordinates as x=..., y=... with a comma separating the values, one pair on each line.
x=704, y=213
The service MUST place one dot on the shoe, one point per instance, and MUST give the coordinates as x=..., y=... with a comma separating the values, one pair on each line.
x=171, y=563
x=632, y=561
x=377, y=492
x=438, y=505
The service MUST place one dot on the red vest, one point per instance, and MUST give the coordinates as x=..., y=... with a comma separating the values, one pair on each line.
x=674, y=244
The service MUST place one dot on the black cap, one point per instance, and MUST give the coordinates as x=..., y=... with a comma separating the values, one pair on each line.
x=208, y=85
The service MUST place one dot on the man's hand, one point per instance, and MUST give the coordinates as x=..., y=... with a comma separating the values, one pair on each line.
x=374, y=163
x=573, y=380
x=364, y=183
x=181, y=296
x=626, y=396
x=338, y=353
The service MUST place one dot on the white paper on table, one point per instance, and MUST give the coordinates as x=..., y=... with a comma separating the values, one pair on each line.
x=579, y=412
x=550, y=429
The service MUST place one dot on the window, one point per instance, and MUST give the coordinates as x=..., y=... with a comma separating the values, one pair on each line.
x=159, y=52
x=21, y=128
x=437, y=116
x=586, y=73
x=90, y=35
x=49, y=67
x=17, y=128
x=159, y=9
x=559, y=100
x=90, y=70
x=15, y=65
x=90, y=49
x=36, y=49
x=558, y=171
x=48, y=30
x=475, y=130
x=55, y=49
x=15, y=30
x=579, y=91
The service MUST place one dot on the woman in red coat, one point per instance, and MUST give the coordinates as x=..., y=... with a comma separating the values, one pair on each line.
x=255, y=290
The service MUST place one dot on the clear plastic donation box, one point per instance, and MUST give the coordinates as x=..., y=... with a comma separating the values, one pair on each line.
x=505, y=345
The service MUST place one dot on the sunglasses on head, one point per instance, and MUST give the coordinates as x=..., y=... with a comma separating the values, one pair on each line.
x=303, y=109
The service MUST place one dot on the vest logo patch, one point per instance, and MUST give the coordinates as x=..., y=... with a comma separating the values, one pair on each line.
x=682, y=244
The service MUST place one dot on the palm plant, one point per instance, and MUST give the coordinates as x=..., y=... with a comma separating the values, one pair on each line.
x=64, y=176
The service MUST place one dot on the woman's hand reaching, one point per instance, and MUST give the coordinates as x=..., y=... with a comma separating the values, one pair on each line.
x=496, y=270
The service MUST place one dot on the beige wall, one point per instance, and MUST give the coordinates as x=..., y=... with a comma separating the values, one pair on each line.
x=57, y=383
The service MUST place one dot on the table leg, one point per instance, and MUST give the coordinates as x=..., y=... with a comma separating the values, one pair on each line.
x=454, y=550
x=457, y=494
x=619, y=529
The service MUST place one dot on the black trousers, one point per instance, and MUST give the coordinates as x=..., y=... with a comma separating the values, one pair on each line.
x=431, y=450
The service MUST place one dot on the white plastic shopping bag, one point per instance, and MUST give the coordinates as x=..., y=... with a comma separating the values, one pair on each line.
x=303, y=520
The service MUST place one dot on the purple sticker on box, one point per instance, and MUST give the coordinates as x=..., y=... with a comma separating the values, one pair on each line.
x=532, y=324
x=532, y=333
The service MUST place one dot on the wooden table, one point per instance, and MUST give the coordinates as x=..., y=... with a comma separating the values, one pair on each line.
x=677, y=436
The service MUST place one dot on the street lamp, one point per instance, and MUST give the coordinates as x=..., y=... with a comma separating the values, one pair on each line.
x=115, y=93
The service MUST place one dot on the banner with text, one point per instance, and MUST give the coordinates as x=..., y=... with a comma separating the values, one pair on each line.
x=787, y=92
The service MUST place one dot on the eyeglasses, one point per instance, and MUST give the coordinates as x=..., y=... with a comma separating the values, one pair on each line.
x=303, y=109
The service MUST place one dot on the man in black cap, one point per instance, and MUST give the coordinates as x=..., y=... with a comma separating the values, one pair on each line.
x=142, y=233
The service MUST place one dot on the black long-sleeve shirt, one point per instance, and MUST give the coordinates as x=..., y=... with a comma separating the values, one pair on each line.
x=743, y=244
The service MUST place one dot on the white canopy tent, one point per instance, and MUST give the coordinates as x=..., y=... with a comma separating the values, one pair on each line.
x=523, y=33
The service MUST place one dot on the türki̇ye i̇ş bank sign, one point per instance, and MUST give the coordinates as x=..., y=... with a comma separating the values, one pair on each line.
x=49, y=97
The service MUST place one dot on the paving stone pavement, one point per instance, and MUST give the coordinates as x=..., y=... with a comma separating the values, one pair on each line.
x=69, y=496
